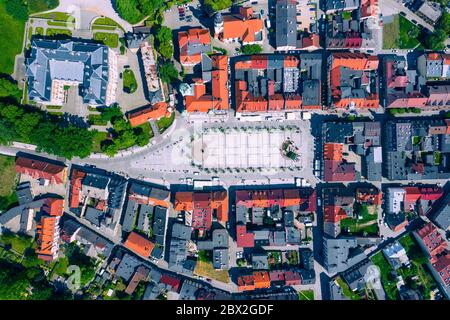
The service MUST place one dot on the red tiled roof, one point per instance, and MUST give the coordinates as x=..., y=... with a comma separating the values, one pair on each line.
x=338, y=171
x=38, y=169
x=53, y=206
x=442, y=267
x=171, y=281
x=75, y=187
x=432, y=239
x=244, y=239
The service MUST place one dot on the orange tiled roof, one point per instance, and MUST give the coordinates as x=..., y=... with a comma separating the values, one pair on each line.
x=332, y=151
x=184, y=201
x=218, y=99
x=46, y=245
x=53, y=206
x=192, y=36
x=245, y=30
x=40, y=169
x=262, y=279
x=154, y=112
x=139, y=244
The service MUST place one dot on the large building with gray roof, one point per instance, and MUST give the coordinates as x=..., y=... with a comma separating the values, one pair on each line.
x=286, y=25
x=55, y=64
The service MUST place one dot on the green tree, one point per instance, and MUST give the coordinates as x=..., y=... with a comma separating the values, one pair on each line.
x=217, y=5
x=168, y=73
x=128, y=10
x=251, y=49
x=9, y=89
x=164, y=43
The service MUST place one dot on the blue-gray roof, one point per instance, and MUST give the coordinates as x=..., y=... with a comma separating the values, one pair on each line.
x=85, y=63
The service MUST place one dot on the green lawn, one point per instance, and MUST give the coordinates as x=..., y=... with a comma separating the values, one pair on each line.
x=17, y=243
x=147, y=129
x=347, y=15
x=106, y=22
x=11, y=37
x=109, y=39
x=418, y=267
x=52, y=32
x=306, y=295
x=39, y=31
x=57, y=16
x=390, y=287
x=165, y=122
x=367, y=224
x=8, y=182
x=129, y=81
x=96, y=120
x=400, y=33
x=57, y=23
x=346, y=290
x=98, y=138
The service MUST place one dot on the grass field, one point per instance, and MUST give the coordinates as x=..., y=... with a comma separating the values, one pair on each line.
x=105, y=22
x=8, y=182
x=57, y=16
x=306, y=295
x=165, y=122
x=17, y=243
x=98, y=138
x=400, y=33
x=56, y=32
x=367, y=224
x=11, y=37
x=96, y=120
x=205, y=269
x=390, y=287
x=129, y=81
x=346, y=290
x=109, y=39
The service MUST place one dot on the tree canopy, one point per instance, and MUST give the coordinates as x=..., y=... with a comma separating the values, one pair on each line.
x=164, y=44
x=251, y=49
x=168, y=73
x=135, y=10
x=217, y=5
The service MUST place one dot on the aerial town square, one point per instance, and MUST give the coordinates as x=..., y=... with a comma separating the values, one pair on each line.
x=225, y=150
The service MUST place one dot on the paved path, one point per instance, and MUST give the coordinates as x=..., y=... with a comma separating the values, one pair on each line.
x=95, y=7
x=390, y=7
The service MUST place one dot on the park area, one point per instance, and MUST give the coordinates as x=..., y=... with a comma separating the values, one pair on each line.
x=365, y=223
x=129, y=81
x=165, y=122
x=8, y=182
x=416, y=276
x=107, y=38
x=400, y=33
x=204, y=268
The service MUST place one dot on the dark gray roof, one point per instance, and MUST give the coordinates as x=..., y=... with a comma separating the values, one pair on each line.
x=277, y=238
x=220, y=258
x=293, y=235
x=23, y=193
x=94, y=216
x=159, y=225
x=86, y=63
x=286, y=24
x=129, y=216
x=178, y=249
x=260, y=261
x=341, y=254
x=442, y=215
x=127, y=267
